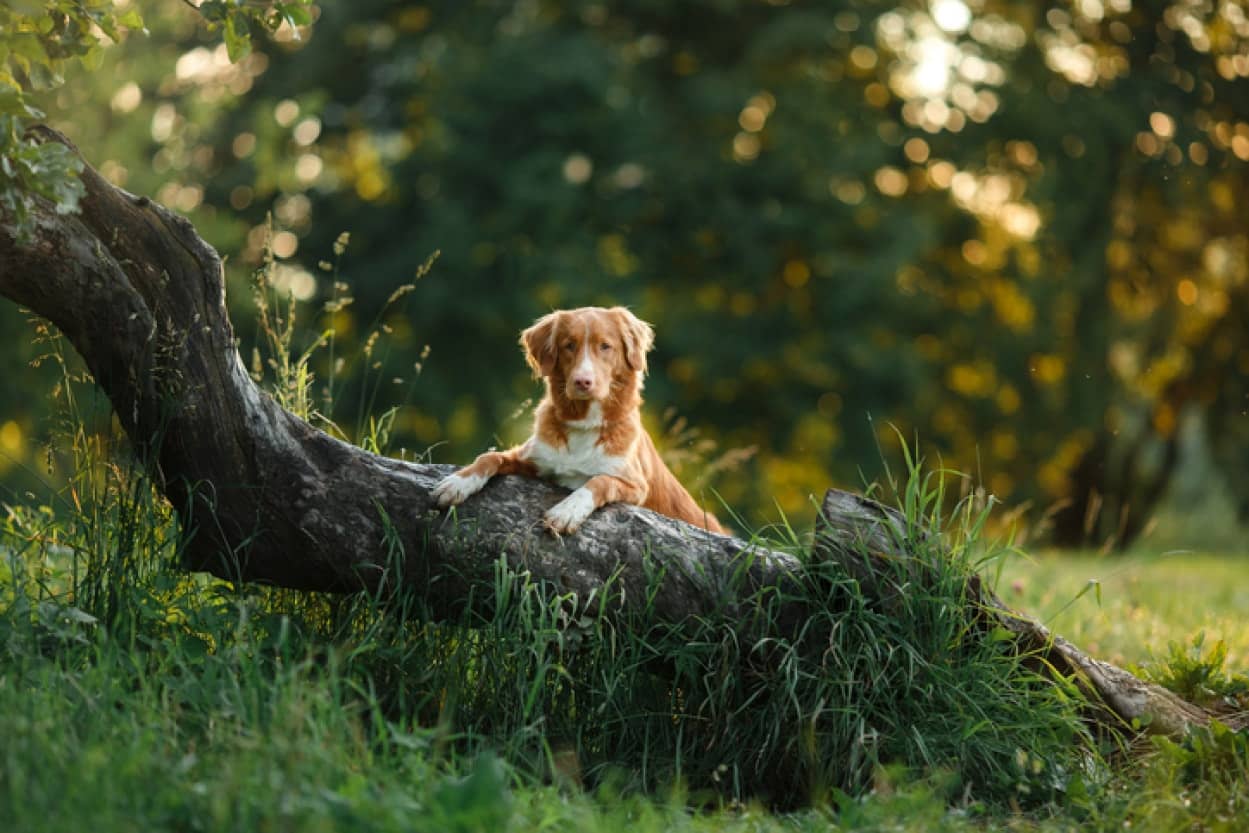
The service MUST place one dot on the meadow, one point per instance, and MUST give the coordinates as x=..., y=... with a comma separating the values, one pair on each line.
x=1148, y=601
x=136, y=696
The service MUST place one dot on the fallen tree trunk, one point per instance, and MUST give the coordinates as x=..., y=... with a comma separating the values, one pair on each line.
x=264, y=496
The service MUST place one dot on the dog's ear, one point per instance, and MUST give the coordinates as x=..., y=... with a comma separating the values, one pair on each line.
x=639, y=337
x=538, y=342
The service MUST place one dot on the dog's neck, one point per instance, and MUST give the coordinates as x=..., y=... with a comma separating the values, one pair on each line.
x=562, y=414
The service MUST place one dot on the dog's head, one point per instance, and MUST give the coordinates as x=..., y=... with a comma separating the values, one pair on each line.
x=587, y=352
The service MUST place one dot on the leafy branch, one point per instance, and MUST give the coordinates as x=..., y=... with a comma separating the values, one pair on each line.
x=40, y=40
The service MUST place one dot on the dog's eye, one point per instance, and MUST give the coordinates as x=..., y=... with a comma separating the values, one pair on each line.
x=604, y=347
x=570, y=346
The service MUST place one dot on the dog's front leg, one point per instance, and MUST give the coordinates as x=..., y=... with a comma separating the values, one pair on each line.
x=567, y=515
x=456, y=488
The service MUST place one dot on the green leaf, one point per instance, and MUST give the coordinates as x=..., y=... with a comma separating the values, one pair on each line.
x=13, y=103
x=43, y=77
x=296, y=14
x=51, y=170
x=93, y=58
x=131, y=19
x=213, y=11
x=108, y=25
x=238, y=36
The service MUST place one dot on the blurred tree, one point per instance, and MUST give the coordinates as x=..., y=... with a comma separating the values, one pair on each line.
x=561, y=155
x=1120, y=122
x=1008, y=228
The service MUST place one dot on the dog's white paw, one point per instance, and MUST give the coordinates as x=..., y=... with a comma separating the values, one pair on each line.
x=456, y=488
x=567, y=515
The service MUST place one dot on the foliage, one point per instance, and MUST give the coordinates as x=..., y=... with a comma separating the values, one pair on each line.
x=1011, y=228
x=33, y=170
x=803, y=281
x=237, y=20
x=1201, y=677
x=37, y=43
x=40, y=40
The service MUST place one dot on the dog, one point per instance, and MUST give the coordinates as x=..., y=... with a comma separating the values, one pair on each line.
x=587, y=431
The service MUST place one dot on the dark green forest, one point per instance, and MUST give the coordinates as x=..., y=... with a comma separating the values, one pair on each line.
x=1013, y=231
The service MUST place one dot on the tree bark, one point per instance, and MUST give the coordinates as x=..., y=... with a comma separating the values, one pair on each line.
x=263, y=496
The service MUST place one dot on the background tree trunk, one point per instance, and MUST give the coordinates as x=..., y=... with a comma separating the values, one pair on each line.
x=263, y=496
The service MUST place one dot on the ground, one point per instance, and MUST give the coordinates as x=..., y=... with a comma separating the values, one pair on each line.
x=1147, y=600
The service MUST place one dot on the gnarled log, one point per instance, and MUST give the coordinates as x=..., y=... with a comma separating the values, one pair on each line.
x=266, y=497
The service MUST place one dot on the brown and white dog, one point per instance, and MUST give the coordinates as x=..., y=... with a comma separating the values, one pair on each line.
x=587, y=432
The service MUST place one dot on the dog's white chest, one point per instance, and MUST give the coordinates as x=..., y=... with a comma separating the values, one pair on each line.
x=575, y=463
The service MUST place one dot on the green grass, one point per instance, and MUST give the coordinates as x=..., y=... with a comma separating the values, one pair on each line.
x=136, y=697
x=1147, y=601
x=133, y=696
